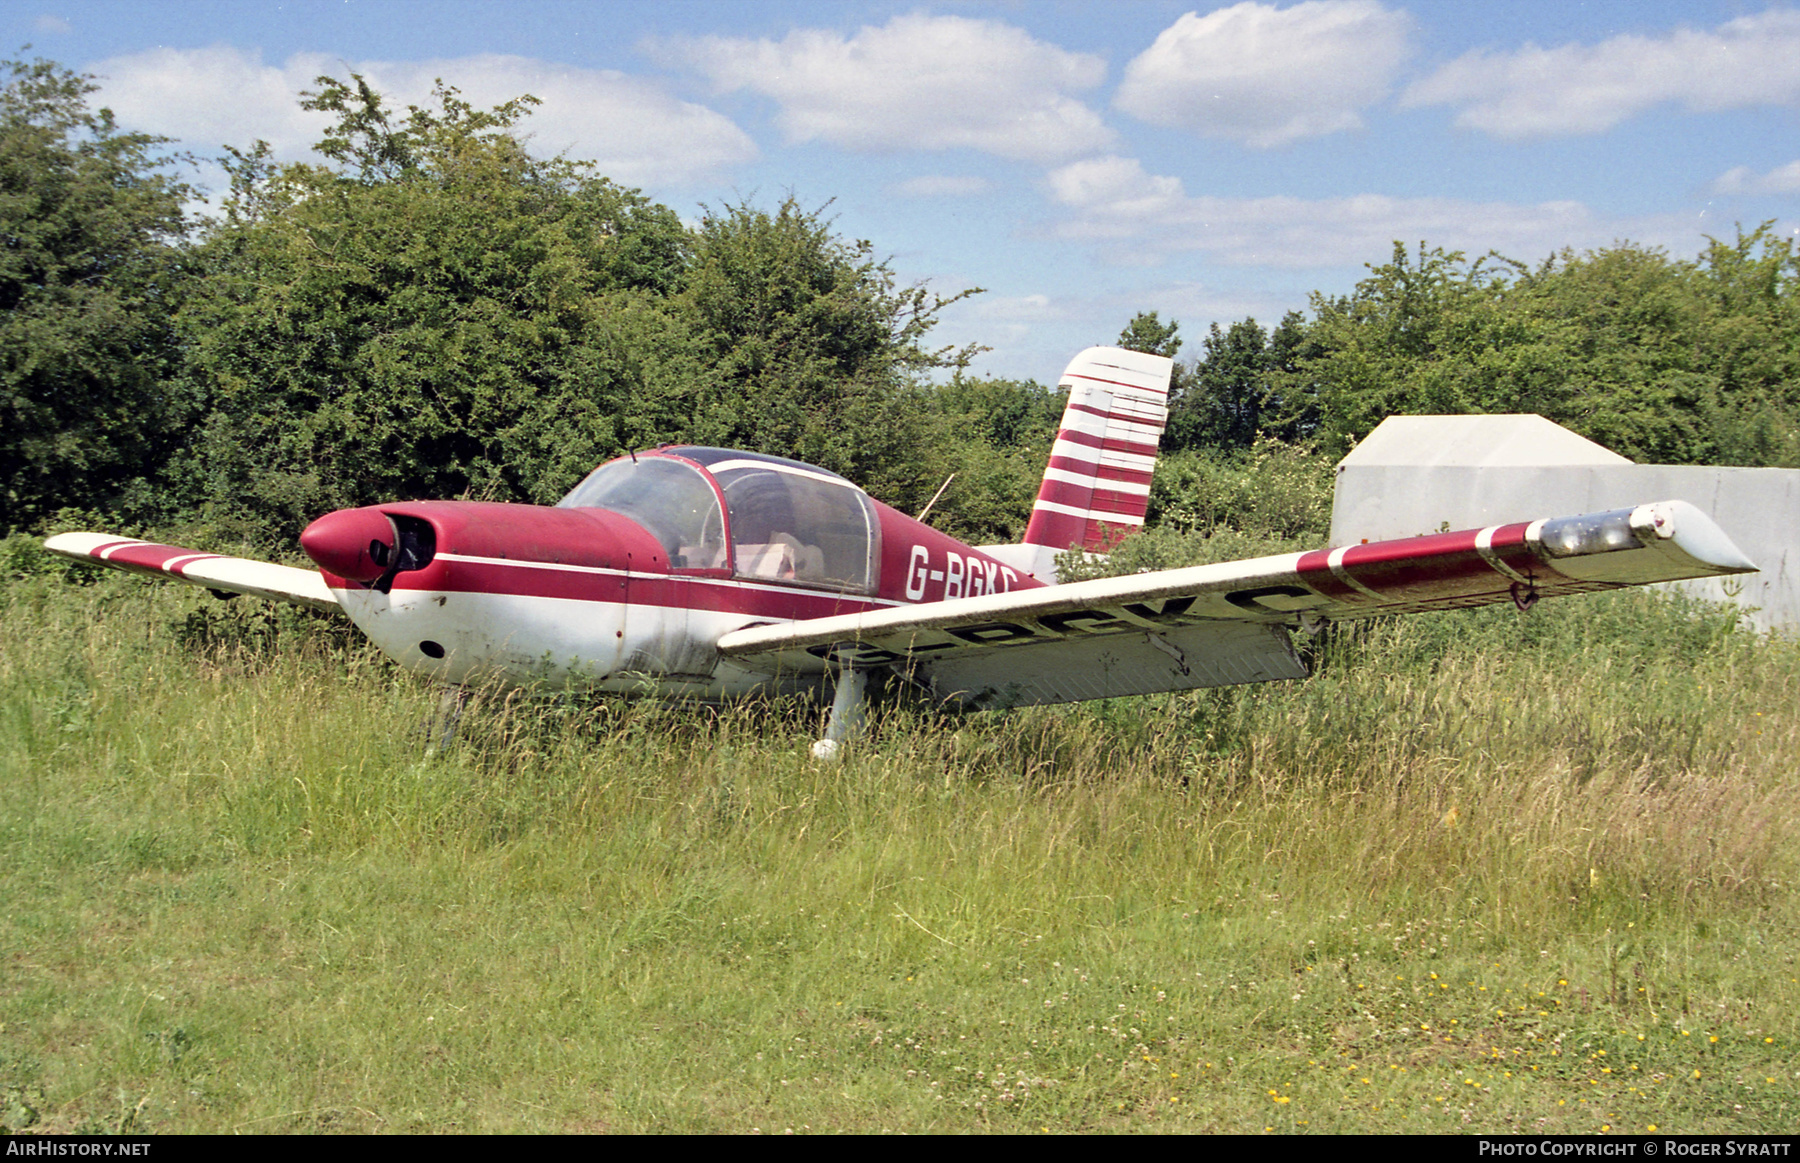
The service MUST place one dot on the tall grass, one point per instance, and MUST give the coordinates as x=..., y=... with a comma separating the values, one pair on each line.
x=241, y=895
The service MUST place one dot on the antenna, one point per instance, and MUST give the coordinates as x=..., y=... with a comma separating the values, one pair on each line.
x=935, y=496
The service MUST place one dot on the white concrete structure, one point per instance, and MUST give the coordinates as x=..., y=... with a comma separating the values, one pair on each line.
x=1423, y=474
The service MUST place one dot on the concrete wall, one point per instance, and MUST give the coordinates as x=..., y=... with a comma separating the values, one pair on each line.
x=1380, y=496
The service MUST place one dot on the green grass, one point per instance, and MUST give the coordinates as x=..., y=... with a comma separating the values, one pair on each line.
x=1481, y=873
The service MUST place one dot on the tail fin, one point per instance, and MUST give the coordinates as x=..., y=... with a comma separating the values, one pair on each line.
x=1098, y=484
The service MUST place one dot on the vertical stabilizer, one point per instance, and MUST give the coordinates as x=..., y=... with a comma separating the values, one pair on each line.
x=1098, y=483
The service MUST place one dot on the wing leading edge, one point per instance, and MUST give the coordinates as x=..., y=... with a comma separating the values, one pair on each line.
x=1214, y=625
x=234, y=575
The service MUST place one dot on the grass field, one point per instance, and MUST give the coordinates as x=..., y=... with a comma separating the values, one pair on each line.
x=1484, y=872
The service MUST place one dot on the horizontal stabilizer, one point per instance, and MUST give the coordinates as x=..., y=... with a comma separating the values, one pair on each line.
x=236, y=575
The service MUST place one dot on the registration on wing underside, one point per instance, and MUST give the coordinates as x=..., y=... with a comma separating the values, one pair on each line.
x=1106, y=621
x=1286, y=589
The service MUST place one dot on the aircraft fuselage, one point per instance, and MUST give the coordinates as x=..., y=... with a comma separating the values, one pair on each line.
x=633, y=591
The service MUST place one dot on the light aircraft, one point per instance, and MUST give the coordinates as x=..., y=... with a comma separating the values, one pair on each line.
x=708, y=573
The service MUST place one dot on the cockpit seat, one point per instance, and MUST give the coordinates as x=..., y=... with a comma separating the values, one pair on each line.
x=781, y=558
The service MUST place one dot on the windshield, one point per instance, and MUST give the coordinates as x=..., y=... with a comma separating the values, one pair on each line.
x=672, y=500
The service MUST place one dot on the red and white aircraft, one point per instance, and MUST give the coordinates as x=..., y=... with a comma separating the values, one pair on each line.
x=708, y=573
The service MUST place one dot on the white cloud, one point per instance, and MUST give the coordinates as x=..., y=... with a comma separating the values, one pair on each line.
x=943, y=186
x=635, y=132
x=1537, y=92
x=53, y=25
x=1197, y=306
x=1016, y=308
x=917, y=82
x=1141, y=219
x=215, y=96
x=1743, y=180
x=1029, y=336
x=1033, y=335
x=1266, y=76
x=1118, y=190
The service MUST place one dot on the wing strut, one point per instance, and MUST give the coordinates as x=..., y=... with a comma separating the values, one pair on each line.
x=848, y=708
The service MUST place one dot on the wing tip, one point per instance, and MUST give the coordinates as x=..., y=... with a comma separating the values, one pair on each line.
x=238, y=575
x=1695, y=534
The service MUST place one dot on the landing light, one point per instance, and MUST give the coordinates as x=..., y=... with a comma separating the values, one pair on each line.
x=1590, y=533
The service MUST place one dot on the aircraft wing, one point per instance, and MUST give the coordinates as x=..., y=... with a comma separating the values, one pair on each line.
x=233, y=575
x=1214, y=625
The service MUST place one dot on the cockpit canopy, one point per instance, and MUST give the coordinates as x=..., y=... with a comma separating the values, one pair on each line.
x=762, y=518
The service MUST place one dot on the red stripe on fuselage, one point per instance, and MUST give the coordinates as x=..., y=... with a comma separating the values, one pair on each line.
x=601, y=556
x=902, y=540
x=450, y=573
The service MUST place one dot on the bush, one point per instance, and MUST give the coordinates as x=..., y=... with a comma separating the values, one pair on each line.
x=1275, y=491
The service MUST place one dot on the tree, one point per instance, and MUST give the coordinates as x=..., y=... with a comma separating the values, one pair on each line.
x=995, y=436
x=437, y=314
x=1150, y=335
x=1400, y=342
x=1751, y=286
x=1661, y=360
x=800, y=343
x=1221, y=398
x=90, y=272
x=1609, y=350
x=1248, y=383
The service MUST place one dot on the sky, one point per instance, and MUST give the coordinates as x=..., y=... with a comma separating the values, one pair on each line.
x=1080, y=162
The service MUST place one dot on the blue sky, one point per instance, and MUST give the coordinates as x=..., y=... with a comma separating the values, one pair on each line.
x=1080, y=161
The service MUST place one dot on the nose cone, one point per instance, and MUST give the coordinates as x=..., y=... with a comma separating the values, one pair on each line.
x=340, y=542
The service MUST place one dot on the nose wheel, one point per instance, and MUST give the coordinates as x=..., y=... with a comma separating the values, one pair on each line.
x=849, y=707
x=440, y=725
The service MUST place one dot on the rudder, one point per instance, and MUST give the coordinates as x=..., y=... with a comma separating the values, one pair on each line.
x=1097, y=486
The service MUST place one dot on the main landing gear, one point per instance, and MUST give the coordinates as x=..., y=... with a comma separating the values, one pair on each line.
x=849, y=707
